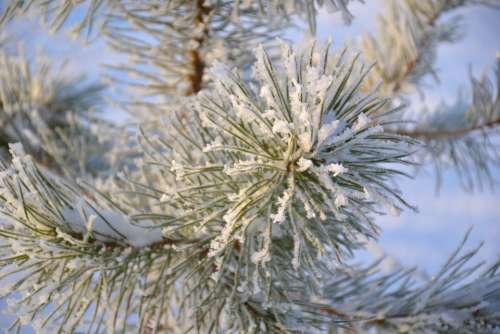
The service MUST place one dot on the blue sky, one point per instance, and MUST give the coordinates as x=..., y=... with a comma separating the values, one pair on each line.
x=425, y=238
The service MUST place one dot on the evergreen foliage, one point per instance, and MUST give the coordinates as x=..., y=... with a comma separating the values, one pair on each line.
x=255, y=174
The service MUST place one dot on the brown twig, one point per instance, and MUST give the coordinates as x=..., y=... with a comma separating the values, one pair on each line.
x=198, y=64
x=443, y=134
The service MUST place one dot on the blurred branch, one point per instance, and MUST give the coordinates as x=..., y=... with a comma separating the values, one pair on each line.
x=198, y=64
x=460, y=298
x=50, y=113
x=463, y=136
x=404, y=48
x=446, y=134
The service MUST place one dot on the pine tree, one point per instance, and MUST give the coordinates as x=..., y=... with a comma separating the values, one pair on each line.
x=255, y=173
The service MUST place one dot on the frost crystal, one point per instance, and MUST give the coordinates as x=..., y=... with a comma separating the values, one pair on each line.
x=336, y=169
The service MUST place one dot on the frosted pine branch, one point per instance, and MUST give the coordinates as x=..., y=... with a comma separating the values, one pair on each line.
x=461, y=298
x=300, y=129
x=50, y=113
x=308, y=9
x=464, y=135
x=171, y=44
x=461, y=136
x=57, y=12
x=252, y=180
x=405, y=45
x=178, y=41
x=67, y=260
x=275, y=176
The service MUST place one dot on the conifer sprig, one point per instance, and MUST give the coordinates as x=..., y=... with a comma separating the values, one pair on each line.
x=281, y=177
x=50, y=113
x=248, y=191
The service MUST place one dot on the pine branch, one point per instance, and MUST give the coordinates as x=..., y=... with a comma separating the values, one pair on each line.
x=269, y=186
x=48, y=225
x=409, y=32
x=404, y=48
x=451, y=302
x=307, y=9
x=57, y=12
x=50, y=113
x=198, y=64
x=178, y=41
x=65, y=252
x=447, y=134
x=240, y=209
x=425, y=43
x=463, y=136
